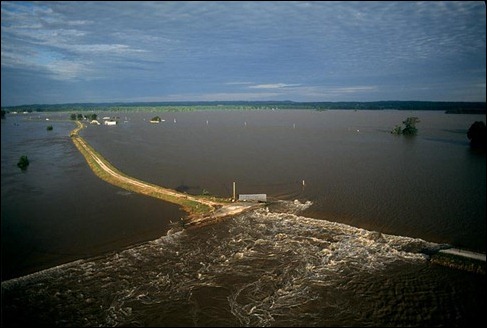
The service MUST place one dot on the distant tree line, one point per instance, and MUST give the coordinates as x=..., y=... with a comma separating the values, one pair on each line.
x=448, y=107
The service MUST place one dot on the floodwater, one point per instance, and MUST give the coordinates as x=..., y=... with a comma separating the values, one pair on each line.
x=355, y=207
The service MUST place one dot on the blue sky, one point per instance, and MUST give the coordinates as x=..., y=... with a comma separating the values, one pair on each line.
x=65, y=52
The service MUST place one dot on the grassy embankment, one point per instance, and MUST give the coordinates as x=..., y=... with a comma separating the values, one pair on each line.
x=194, y=205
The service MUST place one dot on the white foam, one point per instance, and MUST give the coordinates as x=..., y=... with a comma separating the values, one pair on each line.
x=270, y=263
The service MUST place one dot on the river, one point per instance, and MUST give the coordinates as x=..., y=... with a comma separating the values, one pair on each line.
x=341, y=244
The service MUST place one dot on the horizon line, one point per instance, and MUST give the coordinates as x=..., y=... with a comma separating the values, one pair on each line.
x=242, y=101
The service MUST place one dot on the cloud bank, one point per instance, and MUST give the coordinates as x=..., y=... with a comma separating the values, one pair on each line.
x=57, y=52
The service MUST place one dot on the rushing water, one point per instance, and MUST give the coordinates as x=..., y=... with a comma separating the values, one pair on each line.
x=345, y=248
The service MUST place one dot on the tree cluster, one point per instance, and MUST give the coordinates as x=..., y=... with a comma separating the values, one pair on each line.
x=477, y=134
x=409, y=128
x=81, y=117
x=446, y=106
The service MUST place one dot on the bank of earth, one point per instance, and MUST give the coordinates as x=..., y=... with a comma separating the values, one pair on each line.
x=202, y=210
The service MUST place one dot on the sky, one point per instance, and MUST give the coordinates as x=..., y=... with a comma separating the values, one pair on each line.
x=92, y=52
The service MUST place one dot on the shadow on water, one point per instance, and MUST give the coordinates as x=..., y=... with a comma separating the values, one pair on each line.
x=448, y=141
x=188, y=189
x=457, y=131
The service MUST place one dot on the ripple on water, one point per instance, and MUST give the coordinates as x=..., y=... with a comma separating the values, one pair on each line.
x=261, y=268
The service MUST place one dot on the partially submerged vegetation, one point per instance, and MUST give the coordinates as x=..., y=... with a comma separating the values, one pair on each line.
x=80, y=117
x=155, y=119
x=409, y=127
x=23, y=162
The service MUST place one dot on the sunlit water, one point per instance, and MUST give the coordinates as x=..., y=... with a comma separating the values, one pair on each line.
x=294, y=263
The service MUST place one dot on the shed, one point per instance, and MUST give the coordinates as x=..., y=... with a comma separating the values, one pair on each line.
x=252, y=197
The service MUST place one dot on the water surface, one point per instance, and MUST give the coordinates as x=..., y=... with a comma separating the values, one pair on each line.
x=344, y=249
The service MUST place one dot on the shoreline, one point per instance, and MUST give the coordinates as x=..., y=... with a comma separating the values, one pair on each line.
x=460, y=259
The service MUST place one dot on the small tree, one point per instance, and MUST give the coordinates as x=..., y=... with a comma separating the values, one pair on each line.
x=49, y=128
x=73, y=117
x=23, y=162
x=409, y=128
x=397, y=129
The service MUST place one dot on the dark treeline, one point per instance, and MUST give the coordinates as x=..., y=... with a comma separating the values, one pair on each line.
x=448, y=107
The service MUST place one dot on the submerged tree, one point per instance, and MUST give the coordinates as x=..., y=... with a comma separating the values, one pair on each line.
x=397, y=129
x=23, y=162
x=476, y=134
x=409, y=127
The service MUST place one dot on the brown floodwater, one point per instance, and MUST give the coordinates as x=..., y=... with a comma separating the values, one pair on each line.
x=346, y=248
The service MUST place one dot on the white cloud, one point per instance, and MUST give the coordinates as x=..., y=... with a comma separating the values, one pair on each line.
x=104, y=48
x=219, y=96
x=332, y=50
x=67, y=70
x=238, y=83
x=273, y=86
x=335, y=93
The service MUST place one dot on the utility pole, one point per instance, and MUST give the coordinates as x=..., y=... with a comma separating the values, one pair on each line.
x=234, y=197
